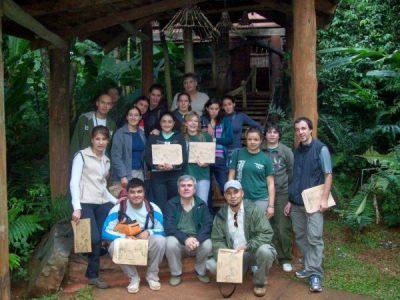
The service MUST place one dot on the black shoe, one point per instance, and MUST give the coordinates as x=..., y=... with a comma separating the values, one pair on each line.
x=97, y=282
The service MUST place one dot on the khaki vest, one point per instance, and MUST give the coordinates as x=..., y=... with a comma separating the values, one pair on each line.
x=93, y=182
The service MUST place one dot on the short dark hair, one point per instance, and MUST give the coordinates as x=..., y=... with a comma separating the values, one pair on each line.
x=141, y=98
x=190, y=75
x=183, y=94
x=305, y=119
x=228, y=97
x=130, y=107
x=271, y=126
x=100, y=129
x=167, y=113
x=156, y=86
x=253, y=129
x=134, y=183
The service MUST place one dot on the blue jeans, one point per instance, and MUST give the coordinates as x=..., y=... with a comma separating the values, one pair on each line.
x=97, y=214
x=203, y=188
x=220, y=172
x=164, y=187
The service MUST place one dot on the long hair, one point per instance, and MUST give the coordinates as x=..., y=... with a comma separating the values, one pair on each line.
x=221, y=113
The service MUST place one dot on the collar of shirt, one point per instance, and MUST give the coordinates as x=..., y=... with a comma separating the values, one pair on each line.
x=191, y=204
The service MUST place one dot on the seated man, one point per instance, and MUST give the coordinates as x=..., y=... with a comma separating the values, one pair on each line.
x=243, y=226
x=150, y=219
x=188, y=227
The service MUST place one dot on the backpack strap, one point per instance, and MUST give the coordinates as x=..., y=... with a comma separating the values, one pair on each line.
x=150, y=214
x=122, y=210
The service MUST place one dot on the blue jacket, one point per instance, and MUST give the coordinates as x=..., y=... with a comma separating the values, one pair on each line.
x=238, y=119
x=121, y=153
x=201, y=215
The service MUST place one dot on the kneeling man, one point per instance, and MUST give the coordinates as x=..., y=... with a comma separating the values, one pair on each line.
x=243, y=226
x=150, y=220
x=188, y=227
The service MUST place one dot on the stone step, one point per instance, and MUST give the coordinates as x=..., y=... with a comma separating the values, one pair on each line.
x=112, y=273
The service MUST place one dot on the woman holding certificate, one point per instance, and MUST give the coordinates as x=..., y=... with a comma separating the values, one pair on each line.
x=90, y=197
x=199, y=170
x=253, y=169
x=166, y=157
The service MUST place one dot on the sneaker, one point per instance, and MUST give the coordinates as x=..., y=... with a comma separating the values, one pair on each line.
x=97, y=282
x=287, y=267
x=259, y=291
x=203, y=278
x=301, y=274
x=315, y=284
x=133, y=286
x=154, y=285
x=175, y=280
x=254, y=269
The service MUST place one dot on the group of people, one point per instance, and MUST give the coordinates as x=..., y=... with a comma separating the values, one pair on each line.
x=172, y=204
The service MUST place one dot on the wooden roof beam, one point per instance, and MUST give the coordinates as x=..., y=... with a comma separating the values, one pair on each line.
x=128, y=15
x=276, y=5
x=133, y=30
x=19, y=16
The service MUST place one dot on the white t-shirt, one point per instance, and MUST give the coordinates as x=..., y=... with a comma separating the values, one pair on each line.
x=237, y=233
x=197, y=103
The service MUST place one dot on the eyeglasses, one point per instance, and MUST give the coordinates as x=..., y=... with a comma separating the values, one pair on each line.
x=235, y=223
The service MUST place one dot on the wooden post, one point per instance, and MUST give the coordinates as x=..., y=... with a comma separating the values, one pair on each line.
x=4, y=267
x=275, y=66
x=167, y=69
x=59, y=118
x=147, y=58
x=304, y=61
x=188, y=50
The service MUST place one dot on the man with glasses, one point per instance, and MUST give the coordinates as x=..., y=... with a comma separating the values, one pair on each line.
x=242, y=226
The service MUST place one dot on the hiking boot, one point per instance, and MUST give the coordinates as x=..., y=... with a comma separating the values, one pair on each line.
x=175, y=280
x=203, y=278
x=315, y=284
x=133, y=286
x=287, y=267
x=97, y=282
x=259, y=291
x=154, y=285
x=301, y=274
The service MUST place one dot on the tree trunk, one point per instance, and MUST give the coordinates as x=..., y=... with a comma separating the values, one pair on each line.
x=59, y=113
x=167, y=69
x=147, y=59
x=4, y=267
x=304, y=62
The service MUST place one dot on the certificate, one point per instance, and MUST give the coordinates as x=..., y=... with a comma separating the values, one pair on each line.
x=312, y=198
x=167, y=154
x=130, y=252
x=230, y=266
x=203, y=152
x=82, y=236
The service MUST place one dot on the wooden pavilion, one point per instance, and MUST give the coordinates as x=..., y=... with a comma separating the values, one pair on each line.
x=54, y=24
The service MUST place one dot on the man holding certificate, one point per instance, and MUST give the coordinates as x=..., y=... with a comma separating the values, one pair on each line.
x=242, y=226
x=136, y=218
x=312, y=168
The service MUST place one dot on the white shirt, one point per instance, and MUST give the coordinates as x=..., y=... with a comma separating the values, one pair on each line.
x=237, y=233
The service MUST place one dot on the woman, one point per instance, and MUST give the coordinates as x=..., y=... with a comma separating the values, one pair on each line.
x=199, y=170
x=190, y=83
x=237, y=119
x=90, y=197
x=253, y=169
x=127, y=152
x=164, y=177
x=215, y=124
x=183, y=104
x=142, y=102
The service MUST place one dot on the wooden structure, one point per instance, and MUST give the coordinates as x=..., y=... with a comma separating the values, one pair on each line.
x=54, y=24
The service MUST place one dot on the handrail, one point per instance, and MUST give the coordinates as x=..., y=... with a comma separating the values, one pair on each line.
x=243, y=86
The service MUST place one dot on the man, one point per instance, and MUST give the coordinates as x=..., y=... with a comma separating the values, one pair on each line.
x=198, y=99
x=282, y=161
x=150, y=219
x=188, y=227
x=117, y=106
x=156, y=109
x=312, y=167
x=87, y=121
x=243, y=226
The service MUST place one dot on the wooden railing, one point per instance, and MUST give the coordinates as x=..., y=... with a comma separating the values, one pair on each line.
x=243, y=86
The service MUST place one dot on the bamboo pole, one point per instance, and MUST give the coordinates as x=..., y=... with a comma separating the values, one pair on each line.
x=147, y=59
x=188, y=50
x=4, y=267
x=167, y=69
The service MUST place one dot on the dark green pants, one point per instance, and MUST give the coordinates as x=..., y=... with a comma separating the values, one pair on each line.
x=282, y=227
